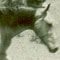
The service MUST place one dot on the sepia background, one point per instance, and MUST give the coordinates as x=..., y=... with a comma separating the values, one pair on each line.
x=22, y=48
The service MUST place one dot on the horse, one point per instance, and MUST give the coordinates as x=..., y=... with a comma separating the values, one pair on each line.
x=13, y=22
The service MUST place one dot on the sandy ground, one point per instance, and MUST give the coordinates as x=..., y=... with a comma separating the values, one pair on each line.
x=23, y=49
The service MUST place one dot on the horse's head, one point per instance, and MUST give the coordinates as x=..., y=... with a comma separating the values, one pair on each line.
x=44, y=30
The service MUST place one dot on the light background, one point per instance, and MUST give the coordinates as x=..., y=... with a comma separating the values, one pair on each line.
x=22, y=49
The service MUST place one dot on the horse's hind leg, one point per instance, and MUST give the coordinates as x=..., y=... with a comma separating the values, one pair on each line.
x=5, y=41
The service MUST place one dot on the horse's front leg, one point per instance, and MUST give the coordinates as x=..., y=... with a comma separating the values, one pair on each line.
x=5, y=41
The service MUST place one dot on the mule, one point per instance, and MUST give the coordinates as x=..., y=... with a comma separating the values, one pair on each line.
x=13, y=22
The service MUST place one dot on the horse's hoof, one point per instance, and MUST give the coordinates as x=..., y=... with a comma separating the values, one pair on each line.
x=53, y=50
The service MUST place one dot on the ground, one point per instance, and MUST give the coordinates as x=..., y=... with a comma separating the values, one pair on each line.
x=23, y=49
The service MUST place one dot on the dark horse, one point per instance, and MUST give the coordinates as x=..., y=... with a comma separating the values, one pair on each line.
x=14, y=21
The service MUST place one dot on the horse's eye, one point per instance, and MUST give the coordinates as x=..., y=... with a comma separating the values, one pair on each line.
x=50, y=25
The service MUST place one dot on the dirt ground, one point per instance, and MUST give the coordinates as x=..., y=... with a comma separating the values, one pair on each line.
x=23, y=49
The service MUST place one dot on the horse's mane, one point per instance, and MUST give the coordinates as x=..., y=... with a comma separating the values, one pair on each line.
x=11, y=17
